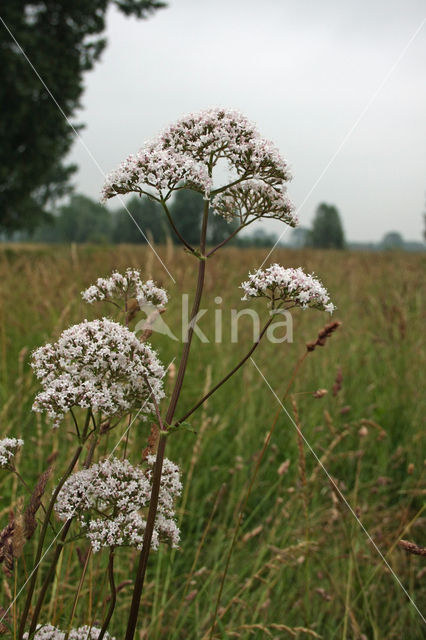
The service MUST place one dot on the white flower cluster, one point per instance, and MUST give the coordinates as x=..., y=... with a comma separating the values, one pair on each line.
x=127, y=285
x=108, y=499
x=254, y=199
x=8, y=448
x=48, y=632
x=98, y=364
x=215, y=134
x=154, y=168
x=288, y=285
x=186, y=153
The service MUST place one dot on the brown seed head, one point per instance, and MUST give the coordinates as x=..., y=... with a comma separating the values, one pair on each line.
x=319, y=393
x=323, y=335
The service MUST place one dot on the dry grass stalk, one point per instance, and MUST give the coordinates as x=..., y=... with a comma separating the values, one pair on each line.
x=338, y=382
x=329, y=422
x=131, y=309
x=284, y=467
x=52, y=457
x=151, y=448
x=205, y=422
x=327, y=454
x=267, y=629
x=7, y=591
x=323, y=335
x=29, y=518
x=290, y=554
x=302, y=459
x=411, y=547
x=149, y=323
x=6, y=546
x=82, y=556
x=370, y=423
x=4, y=617
x=319, y=393
x=12, y=540
x=18, y=539
x=252, y=534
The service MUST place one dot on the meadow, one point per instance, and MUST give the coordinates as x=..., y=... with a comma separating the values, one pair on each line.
x=301, y=565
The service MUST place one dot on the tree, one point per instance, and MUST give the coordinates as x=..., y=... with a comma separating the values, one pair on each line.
x=148, y=216
x=259, y=239
x=327, y=230
x=299, y=237
x=82, y=220
x=61, y=39
x=392, y=240
x=424, y=230
x=186, y=209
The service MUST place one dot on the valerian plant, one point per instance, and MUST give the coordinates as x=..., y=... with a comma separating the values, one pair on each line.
x=100, y=372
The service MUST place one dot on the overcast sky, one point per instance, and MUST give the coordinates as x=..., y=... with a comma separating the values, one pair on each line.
x=304, y=71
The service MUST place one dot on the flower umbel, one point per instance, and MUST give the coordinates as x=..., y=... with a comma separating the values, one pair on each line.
x=185, y=155
x=154, y=171
x=214, y=134
x=99, y=364
x=8, y=448
x=108, y=499
x=125, y=286
x=288, y=285
x=254, y=199
x=49, y=632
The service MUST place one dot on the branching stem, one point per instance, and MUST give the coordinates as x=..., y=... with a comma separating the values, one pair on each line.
x=156, y=477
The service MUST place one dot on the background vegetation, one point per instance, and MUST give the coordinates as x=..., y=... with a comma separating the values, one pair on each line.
x=301, y=567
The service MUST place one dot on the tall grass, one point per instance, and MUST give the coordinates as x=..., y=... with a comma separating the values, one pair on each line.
x=301, y=565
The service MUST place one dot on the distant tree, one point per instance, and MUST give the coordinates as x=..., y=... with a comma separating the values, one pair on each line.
x=61, y=38
x=392, y=240
x=219, y=229
x=299, y=237
x=424, y=230
x=258, y=239
x=146, y=214
x=327, y=230
x=186, y=209
x=82, y=220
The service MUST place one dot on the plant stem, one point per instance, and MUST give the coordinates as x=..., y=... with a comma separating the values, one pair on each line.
x=49, y=511
x=113, y=594
x=49, y=577
x=175, y=229
x=226, y=378
x=156, y=478
x=221, y=244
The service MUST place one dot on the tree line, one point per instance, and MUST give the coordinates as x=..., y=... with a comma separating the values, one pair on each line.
x=83, y=220
x=142, y=219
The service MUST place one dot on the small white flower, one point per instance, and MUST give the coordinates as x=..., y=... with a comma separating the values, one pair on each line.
x=108, y=499
x=8, y=448
x=288, y=285
x=99, y=364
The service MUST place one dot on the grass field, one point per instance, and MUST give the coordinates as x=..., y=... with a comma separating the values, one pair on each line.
x=301, y=566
